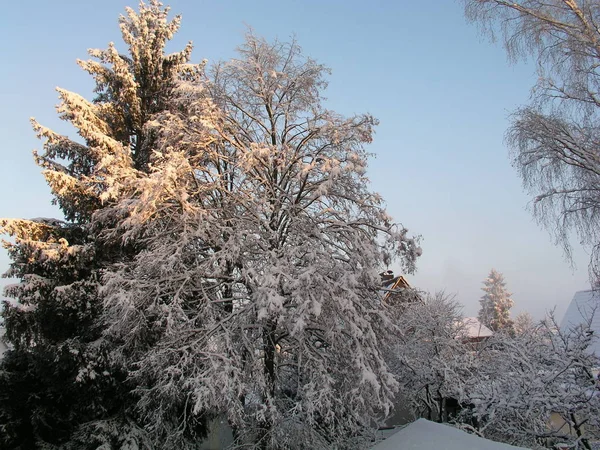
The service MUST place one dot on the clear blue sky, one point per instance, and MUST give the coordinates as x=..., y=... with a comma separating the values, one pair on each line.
x=443, y=95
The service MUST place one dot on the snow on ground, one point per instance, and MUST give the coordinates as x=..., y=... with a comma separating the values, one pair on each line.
x=425, y=435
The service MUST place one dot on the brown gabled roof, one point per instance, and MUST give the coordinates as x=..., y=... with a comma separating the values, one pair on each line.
x=399, y=282
x=391, y=284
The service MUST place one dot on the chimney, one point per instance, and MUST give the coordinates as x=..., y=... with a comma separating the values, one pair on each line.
x=386, y=277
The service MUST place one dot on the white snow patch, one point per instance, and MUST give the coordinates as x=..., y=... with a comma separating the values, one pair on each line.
x=475, y=329
x=425, y=435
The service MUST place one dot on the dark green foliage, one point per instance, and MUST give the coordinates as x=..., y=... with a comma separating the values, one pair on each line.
x=60, y=385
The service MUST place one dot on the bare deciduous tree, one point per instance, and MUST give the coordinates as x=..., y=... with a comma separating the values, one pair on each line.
x=523, y=322
x=555, y=139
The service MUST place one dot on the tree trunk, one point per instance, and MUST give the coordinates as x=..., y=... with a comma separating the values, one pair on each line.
x=579, y=432
x=269, y=349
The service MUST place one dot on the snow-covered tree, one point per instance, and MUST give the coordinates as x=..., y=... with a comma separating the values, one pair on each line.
x=536, y=389
x=523, y=322
x=59, y=383
x=554, y=139
x=256, y=295
x=429, y=357
x=495, y=303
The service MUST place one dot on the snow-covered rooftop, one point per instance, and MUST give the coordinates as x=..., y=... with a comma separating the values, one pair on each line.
x=584, y=306
x=425, y=435
x=475, y=329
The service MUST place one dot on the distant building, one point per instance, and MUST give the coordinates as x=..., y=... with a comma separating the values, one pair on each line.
x=584, y=310
x=397, y=289
x=474, y=331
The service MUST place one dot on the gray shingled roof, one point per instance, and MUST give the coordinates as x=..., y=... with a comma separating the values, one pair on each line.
x=584, y=306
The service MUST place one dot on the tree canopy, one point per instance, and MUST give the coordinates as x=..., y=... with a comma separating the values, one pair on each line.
x=219, y=255
x=554, y=139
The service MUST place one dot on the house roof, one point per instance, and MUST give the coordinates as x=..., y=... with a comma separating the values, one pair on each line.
x=391, y=285
x=475, y=329
x=395, y=283
x=584, y=307
x=425, y=435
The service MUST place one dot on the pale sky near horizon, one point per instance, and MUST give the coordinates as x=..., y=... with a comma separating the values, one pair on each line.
x=442, y=92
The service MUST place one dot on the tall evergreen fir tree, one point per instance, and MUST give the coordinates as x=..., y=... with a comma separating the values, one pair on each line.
x=59, y=384
x=496, y=303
